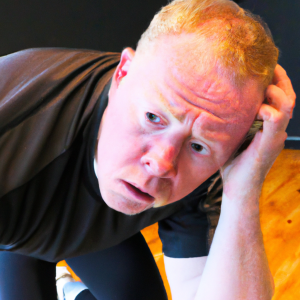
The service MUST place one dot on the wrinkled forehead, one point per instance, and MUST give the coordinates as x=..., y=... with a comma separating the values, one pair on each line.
x=182, y=75
x=188, y=66
x=215, y=94
x=209, y=122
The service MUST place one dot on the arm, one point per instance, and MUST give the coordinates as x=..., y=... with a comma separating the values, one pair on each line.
x=237, y=266
x=184, y=276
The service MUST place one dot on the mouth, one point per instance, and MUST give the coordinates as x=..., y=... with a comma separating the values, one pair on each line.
x=138, y=193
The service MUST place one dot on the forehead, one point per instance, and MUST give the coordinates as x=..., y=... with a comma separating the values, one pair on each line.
x=181, y=74
x=206, y=124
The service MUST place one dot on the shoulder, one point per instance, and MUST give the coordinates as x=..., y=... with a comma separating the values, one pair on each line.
x=44, y=105
x=36, y=60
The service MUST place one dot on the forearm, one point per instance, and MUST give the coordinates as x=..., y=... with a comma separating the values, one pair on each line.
x=184, y=276
x=237, y=266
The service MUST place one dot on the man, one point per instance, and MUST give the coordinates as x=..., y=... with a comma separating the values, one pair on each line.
x=80, y=177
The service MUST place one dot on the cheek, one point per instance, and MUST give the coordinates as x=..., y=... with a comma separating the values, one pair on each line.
x=119, y=147
x=223, y=152
x=193, y=174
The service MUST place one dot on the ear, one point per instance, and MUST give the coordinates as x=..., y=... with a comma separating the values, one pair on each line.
x=123, y=67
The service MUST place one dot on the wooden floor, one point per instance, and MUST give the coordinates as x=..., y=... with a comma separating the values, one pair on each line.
x=280, y=219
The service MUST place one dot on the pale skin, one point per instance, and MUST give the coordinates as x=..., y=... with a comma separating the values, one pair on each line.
x=239, y=233
x=170, y=125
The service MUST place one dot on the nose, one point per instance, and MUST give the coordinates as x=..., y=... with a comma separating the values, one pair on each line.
x=160, y=161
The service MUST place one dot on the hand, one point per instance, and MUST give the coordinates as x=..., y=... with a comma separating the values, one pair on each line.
x=246, y=173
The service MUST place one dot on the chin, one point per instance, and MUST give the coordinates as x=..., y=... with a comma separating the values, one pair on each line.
x=126, y=206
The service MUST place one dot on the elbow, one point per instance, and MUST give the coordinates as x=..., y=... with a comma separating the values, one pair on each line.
x=269, y=288
x=272, y=286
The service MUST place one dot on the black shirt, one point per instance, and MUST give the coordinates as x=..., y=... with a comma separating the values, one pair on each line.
x=51, y=104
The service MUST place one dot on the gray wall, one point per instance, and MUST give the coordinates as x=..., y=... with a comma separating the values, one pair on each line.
x=107, y=25
x=283, y=18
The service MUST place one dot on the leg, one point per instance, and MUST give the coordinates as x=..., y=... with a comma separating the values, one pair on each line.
x=72, y=290
x=68, y=288
x=26, y=278
x=85, y=295
x=123, y=272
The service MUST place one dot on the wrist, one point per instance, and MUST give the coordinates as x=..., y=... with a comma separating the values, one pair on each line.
x=241, y=205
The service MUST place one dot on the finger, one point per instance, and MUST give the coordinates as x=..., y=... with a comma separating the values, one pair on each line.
x=282, y=81
x=279, y=74
x=278, y=99
x=275, y=121
x=273, y=135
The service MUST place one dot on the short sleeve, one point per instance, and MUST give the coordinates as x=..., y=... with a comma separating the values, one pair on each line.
x=189, y=231
x=46, y=99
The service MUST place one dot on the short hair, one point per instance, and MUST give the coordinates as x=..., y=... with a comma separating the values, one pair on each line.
x=242, y=43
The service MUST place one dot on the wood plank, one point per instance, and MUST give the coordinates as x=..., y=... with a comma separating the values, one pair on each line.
x=280, y=220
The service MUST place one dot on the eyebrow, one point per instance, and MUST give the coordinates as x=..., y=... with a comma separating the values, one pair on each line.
x=181, y=94
x=209, y=134
x=180, y=116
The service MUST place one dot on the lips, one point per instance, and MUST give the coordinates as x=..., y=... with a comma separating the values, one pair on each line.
x=137, y=193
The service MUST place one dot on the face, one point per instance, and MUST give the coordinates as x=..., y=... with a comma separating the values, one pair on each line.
x=170, y=124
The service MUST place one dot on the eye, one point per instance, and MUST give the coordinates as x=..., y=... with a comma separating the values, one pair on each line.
x=152, y=117
x=197, y=147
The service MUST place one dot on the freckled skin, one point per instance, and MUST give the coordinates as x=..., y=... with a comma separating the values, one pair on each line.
x=158, y=157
